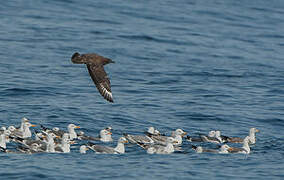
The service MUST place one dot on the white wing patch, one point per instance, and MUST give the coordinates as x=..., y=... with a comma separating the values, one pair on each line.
x=106, y=93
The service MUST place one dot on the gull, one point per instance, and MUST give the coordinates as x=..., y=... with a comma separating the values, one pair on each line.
x=83, y=149
x=244, y=150
x=119, y=149
x=34, y=148
x=95, y=64
x=160, y=149
x=142, y=139
x=58, y=132
x=224, y=149
x=7, y=132
x=3, y=140
x=23, y=121
x=193, y=139
x=64, y=147
x=138, y=139
x=252, y=139
x=152, y=131
x=22, y=134
x=200, y=149
x=210, y=138
x=178, y=134
x=104, y=136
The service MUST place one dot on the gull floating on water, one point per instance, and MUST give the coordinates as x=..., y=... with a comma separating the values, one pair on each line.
x=105, y=135
x=26, y=133
x=200, y=149
x=160, y=149
x=178, y=134
x=83, y=149
x=64, y=147
x=142, y=139
x=58, y=132
x=210, y=138
x=23, y=121
x=244, y=150
x=3, y=140
x=252, y=138
x=119, y=149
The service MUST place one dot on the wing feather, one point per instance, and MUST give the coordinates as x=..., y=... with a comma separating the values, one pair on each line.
x=101, y=80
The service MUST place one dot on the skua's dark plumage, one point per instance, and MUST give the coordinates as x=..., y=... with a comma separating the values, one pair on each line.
x=96, y=70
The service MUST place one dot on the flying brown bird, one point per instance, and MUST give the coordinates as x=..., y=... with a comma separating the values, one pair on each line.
x=96, y=70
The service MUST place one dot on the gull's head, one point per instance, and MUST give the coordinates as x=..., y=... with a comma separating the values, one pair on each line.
x=151, y=150
x=73, y=126
x=55, y=129
x=83, y=149
x=224, y=147
x=81, y=133
x=52, y=135
x=253, y=130
x=39, y=134
x=151, y=130
x=24, y=120
x=156, y=132
x=180, y=132
x=28, y=124
x=7, y=132
x=217, y=133
x=122, y=140
x=109, y=128
x=11, y=128
x=3, y=128
x=65, y=137
x=104, y=133
x=199, y=149
x=211, y=133
x=34, y=147
x=171, y=140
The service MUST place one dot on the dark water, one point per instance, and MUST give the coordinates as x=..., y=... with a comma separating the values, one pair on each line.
x=196, y=65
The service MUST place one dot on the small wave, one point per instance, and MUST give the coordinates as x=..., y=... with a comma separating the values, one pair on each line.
x=25, y=91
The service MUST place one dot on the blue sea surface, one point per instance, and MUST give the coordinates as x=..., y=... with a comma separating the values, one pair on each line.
x=191, y=64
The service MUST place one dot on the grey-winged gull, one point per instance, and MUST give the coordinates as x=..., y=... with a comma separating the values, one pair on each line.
x=252, y=138
x=119, y=149
x=22, y=134
x=245, y=149
x=200, y=149
x=178, y=134
x=83, y=149
x=160, y=149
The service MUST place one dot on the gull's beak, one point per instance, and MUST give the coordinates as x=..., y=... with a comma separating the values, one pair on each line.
x=183, y=134
x=43, y=136
x=125, y=141
x=57, y=136
x=111, y=61
x=76, y=127
x=33, y=125
x=109, y=133
x=72, y=142
x=7, y=137
x=175, y=142
x=230, y=149
x=257, y=130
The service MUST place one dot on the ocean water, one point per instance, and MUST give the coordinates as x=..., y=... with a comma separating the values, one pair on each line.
x=195, y=65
